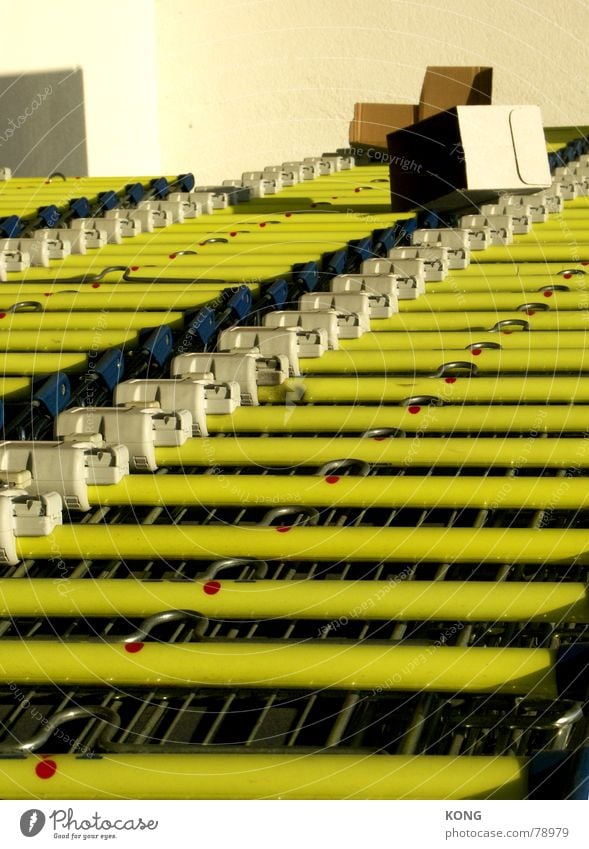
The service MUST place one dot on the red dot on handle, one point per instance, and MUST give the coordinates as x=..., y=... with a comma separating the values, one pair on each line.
x=476, y=352
x=233, y=233
x=530, y=312
x=282, y=529
x=211, y=587
x=357, y=190
x=133, y=648
x=378, y=438
x=46, y=769
x=134, y=268
x=262, y=223
x=332, y=479
x=567, y=276
x=548, y=293
x=450, y=379
x=96, y=285
x=47, y=294
x=173, y=256
x=2, y=315
x=414, y=409
x=507, y=332
x=287, y=214
x=585, y=262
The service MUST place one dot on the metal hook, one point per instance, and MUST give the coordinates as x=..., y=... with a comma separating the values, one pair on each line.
x=571, y=271
x=212, y=241
x=382, y=432
x=481, y=346
x=458, y=366
x=25, y=306
x=422, y=401
x=280, y=512
x=534, y=306
x=554, y=289
x=342, y=465
x=258, y=568
x=57, y=174
x=69, y=715
x=510, y=322
x=165, y=616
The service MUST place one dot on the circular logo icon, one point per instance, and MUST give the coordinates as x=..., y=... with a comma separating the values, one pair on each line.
x=32, y=822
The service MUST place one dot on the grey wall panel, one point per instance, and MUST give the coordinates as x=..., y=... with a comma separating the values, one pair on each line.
x=42, y=125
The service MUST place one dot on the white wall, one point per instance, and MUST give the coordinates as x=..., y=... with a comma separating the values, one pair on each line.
x=248, y=83
x=223, y=87
x=113, y=41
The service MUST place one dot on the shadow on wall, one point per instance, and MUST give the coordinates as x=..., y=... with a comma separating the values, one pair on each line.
x=42, y=125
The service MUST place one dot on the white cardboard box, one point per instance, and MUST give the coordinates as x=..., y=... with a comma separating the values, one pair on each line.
x=467, y=156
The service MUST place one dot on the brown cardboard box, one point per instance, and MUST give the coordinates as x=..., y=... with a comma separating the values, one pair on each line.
x=442, y=88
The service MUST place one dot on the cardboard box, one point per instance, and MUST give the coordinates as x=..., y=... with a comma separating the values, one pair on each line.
x=442, y=88
x=467, y=156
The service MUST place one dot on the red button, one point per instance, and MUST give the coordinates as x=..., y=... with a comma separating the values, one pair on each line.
x=450, y=380
x=414, y=409
x=133, y=648
x=212, y=587
x=46, y=769
x=332, y=479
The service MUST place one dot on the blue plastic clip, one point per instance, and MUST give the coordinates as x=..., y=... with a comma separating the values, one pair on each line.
x=185, y=182
x=134, y=192
x=306, y=274
x=158, y=344
x=336, y=262
x=383, y=240
x=79, y=208
x=49, y=216
x=107, y=200
x=200, y=328
x=403, y=231
x=361, y=249
x=277, y=293
x=572, y=671
x=111, y=367
x=240, y=302
x=159, y=187
x=54, y=393
x=428, y=220
x=10, y=227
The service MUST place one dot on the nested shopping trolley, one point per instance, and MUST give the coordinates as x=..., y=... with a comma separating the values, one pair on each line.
x=294, y=488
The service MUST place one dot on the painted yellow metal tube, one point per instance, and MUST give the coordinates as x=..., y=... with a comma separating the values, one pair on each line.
x=68, y=340
x=485, y=493
x=41, y=363
x=394, y=545
x=453, y=452
x=555, y=320
x=469, y=601
x=533, y=418
x=251, y=776
x=14, y=387
x=485, y=361
x=509, y=283
x=476, y=390
x=62, y=302
x=486, y=301
x=94, y=322
x=461, y=339
x=531, y=253
x=314, y=665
